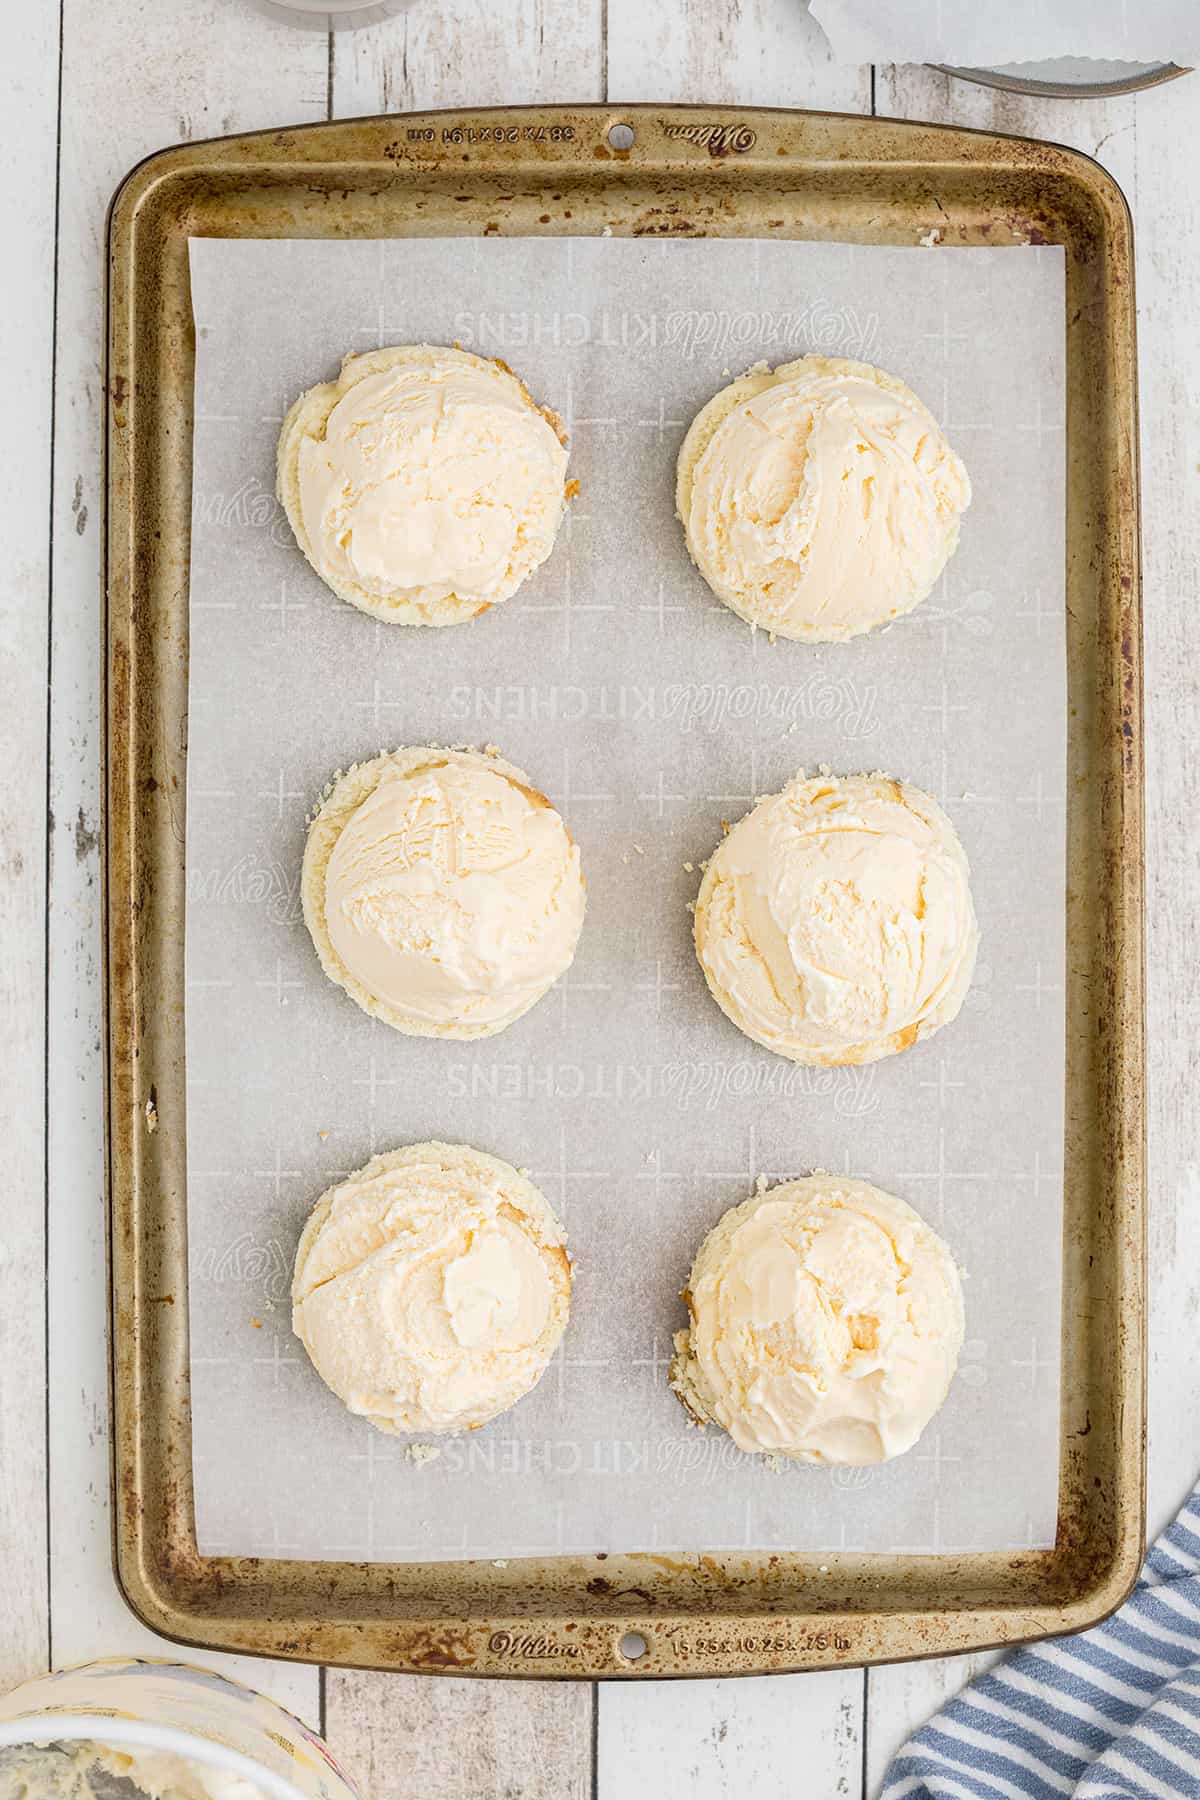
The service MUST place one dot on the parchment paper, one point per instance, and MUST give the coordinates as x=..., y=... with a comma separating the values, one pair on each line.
x=649, y=714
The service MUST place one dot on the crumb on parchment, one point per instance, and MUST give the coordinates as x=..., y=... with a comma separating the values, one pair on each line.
x=421, y=1454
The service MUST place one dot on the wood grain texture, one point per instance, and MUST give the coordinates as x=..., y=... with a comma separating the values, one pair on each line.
x=432, y=1738
x=757, y=52
x=135, y=76
x=28, y=95
x=462, y=53
x=775, y=1738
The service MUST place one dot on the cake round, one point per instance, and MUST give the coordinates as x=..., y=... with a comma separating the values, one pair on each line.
x=826, y=1322
x=442, y=891
x=424, y=484
x=431, y=1288
x=820, y=499
x=834, y=923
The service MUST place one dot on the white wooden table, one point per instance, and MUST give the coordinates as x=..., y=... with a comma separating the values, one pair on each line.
x=84, y=96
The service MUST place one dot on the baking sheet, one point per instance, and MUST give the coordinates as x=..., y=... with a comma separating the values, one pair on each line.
x=649, y=714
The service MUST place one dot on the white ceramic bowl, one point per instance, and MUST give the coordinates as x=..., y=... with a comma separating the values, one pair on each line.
x=135, y=1703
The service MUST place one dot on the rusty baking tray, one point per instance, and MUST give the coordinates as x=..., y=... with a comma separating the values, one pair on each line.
x=671, y=170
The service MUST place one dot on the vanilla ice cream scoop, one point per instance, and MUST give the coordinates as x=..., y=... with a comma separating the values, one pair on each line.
x=423, y=485
x=442, y=891
x=834, y=923
x=820, y=500
x=64, y=1772
x=826, y=1322
x=431, y=1288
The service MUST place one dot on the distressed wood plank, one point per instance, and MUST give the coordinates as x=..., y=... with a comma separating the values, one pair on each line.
x=774, y=1738
x=457, y=53
x=134, y=78
x=508, y=1737
x=28, y=146
x=759, y=52
x=447, y=1739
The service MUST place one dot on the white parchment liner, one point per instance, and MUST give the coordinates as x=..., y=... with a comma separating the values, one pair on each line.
x=649, y=714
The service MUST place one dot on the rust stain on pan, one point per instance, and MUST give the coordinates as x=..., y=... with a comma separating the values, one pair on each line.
x=523, y=171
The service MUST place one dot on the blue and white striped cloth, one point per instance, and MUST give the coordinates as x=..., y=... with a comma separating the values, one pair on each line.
x=1113, y=1714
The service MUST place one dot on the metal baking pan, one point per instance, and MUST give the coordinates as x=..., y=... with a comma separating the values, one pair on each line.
x=1069, y=77
x=671, y=170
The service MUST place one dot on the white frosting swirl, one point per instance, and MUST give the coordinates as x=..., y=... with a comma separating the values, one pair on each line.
x=820, y=500
x=431, y=1288
x=826, y=1321
x=834, y=923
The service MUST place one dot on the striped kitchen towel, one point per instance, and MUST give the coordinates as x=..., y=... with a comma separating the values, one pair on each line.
x=1113, y=1714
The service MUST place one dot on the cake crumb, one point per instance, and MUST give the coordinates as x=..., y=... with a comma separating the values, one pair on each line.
x=491, y=749
x=499, y=1562
x=606, y=231
x=420, y=1454
x=823, y=1569
x=773, y=1464
x=322, y=1135
x=638, y=851
x=151, y=1115
x=690, y=868
x=931, y=238
x=257, y=1324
